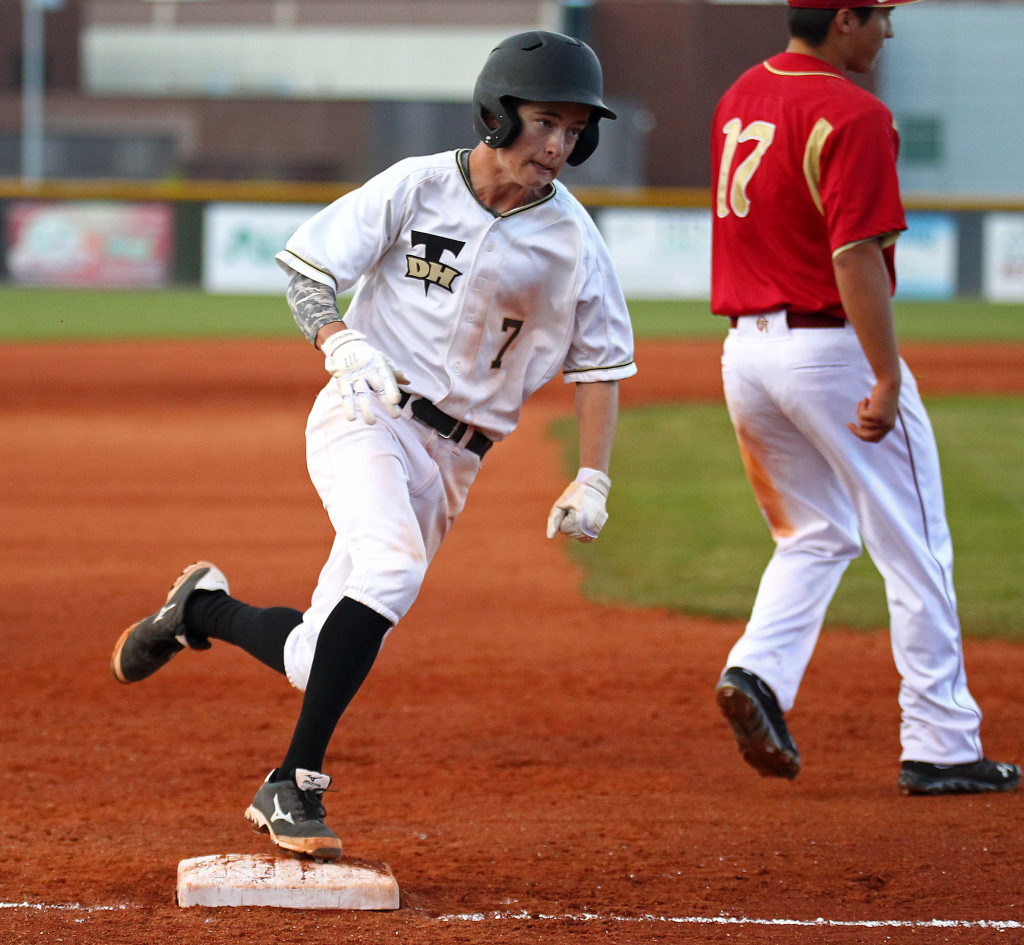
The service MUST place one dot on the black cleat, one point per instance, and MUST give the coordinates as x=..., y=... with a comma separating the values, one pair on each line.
x=147, y=645
x=753, y=713
x=976, y=777
x=290, y=810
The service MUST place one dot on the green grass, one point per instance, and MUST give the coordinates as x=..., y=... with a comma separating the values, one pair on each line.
x=685, y=532
x=960, y=320
x=30, y=314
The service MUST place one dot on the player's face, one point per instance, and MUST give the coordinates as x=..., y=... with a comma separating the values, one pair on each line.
x=868, y=38
x=548, y=135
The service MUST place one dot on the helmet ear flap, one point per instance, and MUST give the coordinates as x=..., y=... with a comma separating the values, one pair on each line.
x=586, y=144
x=504, y=112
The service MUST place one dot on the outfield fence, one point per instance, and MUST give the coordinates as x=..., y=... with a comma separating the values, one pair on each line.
x=223, y=235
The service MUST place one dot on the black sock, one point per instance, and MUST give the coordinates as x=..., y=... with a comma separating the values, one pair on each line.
x=345, y=650
x=260, y=631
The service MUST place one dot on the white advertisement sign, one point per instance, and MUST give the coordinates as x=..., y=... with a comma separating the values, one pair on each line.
x=926, y=257
x=1002, y=266
x=240, y=241
x=659, y=253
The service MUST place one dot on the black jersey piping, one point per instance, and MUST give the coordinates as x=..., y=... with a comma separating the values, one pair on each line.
x=326, y=272
x=601, y=367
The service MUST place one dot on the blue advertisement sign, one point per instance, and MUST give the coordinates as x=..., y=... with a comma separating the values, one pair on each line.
x=926, y=257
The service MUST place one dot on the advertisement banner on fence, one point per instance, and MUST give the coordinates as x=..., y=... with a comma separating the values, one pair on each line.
x=89, y=244
x=240, y=241
x=926, y=257
x=1002, y=267
x=659, y=253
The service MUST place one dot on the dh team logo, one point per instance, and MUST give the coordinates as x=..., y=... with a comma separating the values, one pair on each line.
x=428, y=268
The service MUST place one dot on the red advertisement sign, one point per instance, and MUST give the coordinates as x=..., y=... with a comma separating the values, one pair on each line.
x=95, y=244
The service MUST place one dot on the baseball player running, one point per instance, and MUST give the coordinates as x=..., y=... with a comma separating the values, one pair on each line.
x=478, y=278
x=832, y=432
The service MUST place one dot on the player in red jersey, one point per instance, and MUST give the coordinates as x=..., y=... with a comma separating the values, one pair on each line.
x=831, y=428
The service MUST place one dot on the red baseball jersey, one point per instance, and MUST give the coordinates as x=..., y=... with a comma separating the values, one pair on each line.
x=804, y=164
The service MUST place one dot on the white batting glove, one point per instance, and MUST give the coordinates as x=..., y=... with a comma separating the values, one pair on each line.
x=361, y=372
x=579, y=512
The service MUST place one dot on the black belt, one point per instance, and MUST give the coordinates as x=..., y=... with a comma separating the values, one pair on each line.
x=446, y=427
x=803, y=320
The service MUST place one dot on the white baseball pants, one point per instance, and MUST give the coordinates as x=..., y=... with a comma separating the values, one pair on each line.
x=790, y=394
x=391, y=490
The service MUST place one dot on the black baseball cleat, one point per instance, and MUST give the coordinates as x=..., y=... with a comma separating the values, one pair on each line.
x=147, y=645
x=753, y=713
x=290, y=810
x=975, y=777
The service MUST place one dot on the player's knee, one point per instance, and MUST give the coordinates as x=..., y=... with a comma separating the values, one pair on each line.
x=390, y=581
x=409, y=577
x=832, y=544
x=406, y=576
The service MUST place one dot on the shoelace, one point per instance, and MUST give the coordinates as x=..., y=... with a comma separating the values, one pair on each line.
x=312, y=803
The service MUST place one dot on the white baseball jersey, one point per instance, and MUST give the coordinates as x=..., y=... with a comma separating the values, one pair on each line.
x=478, y=310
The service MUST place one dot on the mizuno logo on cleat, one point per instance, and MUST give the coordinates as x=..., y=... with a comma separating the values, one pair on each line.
x=314, y=782
x=280, y=814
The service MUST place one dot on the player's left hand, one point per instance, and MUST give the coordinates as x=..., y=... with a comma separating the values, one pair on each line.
x=579, y=511
x=361, y=372
x=876, y=415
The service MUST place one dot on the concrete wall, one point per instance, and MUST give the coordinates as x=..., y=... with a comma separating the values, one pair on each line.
x=954, y=78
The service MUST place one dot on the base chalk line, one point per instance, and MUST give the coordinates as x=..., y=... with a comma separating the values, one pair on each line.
x=63, y=907
x=1001, y=925
x=520, y=916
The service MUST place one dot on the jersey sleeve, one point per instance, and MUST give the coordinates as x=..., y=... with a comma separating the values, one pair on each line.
x=602, y=342
x=860, y=189
x=345, y=239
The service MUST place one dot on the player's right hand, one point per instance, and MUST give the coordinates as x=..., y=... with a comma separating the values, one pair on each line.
x=362, y=372
x=876, y=415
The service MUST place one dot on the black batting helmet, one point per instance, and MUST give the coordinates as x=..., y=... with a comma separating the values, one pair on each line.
x=538, y=66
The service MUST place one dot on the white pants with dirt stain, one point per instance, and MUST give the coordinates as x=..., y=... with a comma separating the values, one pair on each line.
x=392, y=490
x=790, y=394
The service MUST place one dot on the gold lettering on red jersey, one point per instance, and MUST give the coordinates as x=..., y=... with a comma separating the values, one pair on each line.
x=812, y=159
x=732, y=195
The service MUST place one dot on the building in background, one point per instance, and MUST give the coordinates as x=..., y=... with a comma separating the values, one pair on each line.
x=956, y=86
x=329, y=90
x=332, y=91
x=318, y=90
x=336, y=89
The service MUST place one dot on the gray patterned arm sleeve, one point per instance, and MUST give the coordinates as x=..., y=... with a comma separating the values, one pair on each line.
x=313, y=305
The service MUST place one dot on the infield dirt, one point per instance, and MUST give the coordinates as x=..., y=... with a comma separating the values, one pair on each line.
x=554, y=768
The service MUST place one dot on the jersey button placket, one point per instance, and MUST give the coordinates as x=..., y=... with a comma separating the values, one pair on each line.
x=479, y=300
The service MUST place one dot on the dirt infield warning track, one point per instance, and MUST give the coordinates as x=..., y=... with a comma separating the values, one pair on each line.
x=530, y=765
